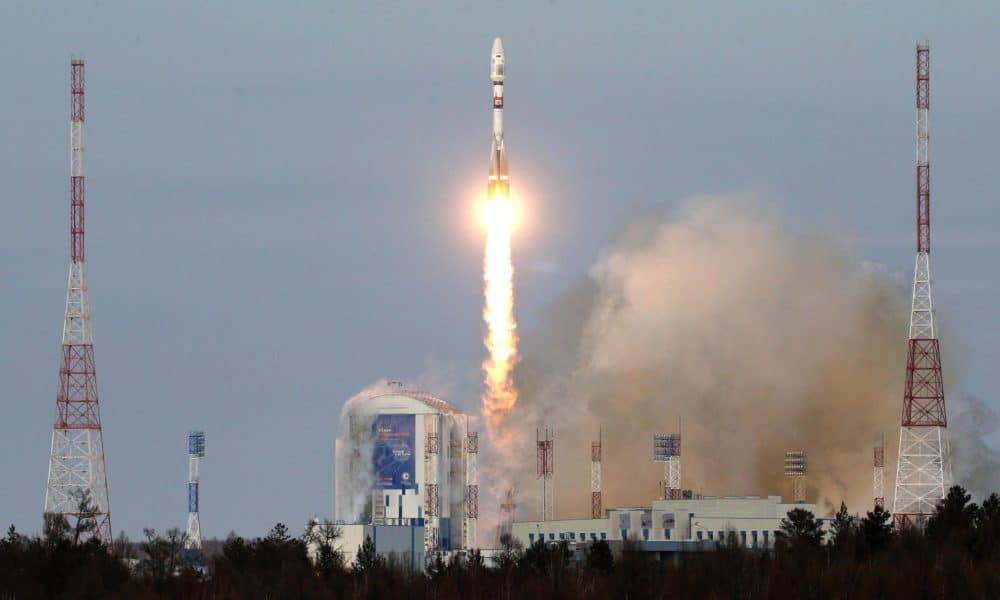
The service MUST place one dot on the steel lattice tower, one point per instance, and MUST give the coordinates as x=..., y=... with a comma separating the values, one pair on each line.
x=508, y=511
x=795, y=469
x=667, y=450
x=596, y=504
x=472, y=491
x=922, y=470
x=77, y=482
x=545, y=465
x=878, y=475
x=196, y=451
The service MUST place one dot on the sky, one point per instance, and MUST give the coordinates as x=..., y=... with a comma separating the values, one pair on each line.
x=281, y=196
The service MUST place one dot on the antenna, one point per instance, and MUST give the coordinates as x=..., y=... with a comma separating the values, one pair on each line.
x=77, y=478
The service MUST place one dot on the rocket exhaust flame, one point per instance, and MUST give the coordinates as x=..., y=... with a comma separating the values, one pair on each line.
x=498, y=270
x=498, y=313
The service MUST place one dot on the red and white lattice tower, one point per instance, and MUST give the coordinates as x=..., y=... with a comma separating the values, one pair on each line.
x=545, y=463
x=432, y=503
x=878, y=475
x=76, y=465
x=596, y=507
x=922, y=470
x=472, y=491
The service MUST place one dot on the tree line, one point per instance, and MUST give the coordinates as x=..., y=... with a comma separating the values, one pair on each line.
x=957, y=555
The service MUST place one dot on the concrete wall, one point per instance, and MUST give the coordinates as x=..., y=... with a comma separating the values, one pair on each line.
x=403, y=544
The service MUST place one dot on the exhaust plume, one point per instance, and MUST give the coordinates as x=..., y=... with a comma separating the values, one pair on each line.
x=762, y=340
x=500, y=395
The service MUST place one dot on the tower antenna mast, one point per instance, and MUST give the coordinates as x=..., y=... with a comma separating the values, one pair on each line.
x=922, y=468
x=77, y=482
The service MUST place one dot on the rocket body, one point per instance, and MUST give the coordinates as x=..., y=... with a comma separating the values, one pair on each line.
x=499, y=183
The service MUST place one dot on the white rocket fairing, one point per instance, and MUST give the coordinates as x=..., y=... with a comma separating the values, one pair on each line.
x=499, y=183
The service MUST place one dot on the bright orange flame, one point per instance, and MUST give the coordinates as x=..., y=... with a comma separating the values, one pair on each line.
x=498, y=311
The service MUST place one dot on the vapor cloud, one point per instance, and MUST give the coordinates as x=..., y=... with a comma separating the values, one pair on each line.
x=759, y=339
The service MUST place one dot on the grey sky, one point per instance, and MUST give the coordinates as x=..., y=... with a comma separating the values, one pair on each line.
x=279, y=199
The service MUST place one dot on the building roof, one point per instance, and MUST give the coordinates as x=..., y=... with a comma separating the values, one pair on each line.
x=395, y=388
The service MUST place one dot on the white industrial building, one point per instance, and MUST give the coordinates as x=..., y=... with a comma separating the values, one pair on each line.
x=407, y=458
x=672, y=525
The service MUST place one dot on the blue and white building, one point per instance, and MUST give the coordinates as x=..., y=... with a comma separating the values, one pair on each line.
x=403, y=459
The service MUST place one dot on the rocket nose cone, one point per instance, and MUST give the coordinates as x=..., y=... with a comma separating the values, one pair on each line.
x=497, y=47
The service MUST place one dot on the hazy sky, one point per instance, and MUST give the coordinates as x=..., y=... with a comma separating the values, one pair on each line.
x=280, y=200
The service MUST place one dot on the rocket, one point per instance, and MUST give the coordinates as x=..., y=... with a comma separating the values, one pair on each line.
x=499, y=182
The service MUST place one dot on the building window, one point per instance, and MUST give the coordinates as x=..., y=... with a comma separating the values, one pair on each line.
x=766, y=538
x=711, y=535
x=698, y=533
x=645, y=533
x=387, y=500
x=666, y=534
x=583, y=536
x=604, y=535
x=593, y=535
x=552, y=536
x=753, y=539
x=531, y=538
x=572, y=535
x=743, y=538
x=722, y=536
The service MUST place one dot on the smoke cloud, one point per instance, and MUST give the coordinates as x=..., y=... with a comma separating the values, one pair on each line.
x=759, y=339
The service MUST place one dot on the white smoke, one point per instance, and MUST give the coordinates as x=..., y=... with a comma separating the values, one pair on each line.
x=761, y=340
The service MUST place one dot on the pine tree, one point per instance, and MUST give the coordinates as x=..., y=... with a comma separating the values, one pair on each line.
x=367, y=560
x=876, y=529
x=843, y=525
x=798, y=528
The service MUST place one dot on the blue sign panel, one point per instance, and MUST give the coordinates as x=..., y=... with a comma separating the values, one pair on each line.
x=393, y=454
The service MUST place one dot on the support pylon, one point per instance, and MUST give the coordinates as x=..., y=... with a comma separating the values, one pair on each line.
x=77, y=482
x=922, y=469
x=545, y=463
x=795, y=469
x=596, y=508
x=508, y=511
x=472, y=491
x=878, y=475
x=192, y=541
x=667, y=450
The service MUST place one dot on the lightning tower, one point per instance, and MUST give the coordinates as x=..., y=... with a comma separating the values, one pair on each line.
x=878, y=475
x=77, y=482
x=546, y=467
x=922, y=468
x=596, y=508
x=196, y=451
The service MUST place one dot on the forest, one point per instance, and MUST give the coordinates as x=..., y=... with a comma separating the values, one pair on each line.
x=957, y=555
